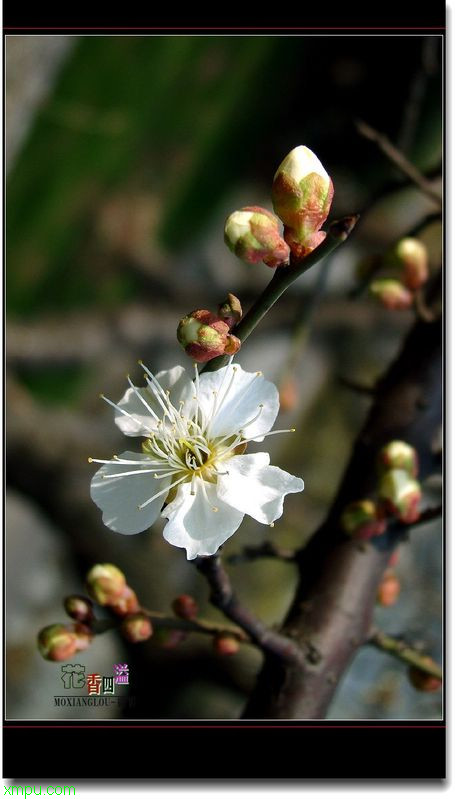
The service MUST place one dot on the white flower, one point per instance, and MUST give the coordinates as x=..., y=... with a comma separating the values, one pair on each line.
x=192, y=458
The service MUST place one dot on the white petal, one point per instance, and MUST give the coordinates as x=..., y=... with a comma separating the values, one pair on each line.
x=255, y=488
x=194, y=525
x=143, y=422
x=238, y=402
x=119, y=498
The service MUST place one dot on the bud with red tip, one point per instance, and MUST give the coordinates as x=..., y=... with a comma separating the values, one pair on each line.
x=185, y=607
x=302, y=194
x=204, y=336
x=105, y=583
x=362, y=520
x=79, y=608
x=230, y=311
x=57, y=642
x=126, y=603
x=388, y=589
x=84, y=635
x=226, y=644
x=401, y=495
x=411, y=257
x=423, y=681
x=136, y=628
x=398, y=455
x=253, y=234
x=392, y=294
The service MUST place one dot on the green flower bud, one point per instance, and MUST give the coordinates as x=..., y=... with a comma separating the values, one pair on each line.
x=302, y=194
x=362, y=520
x=391, y=293
x=253, y=234
x=401, y=495
x=136, y=628
x=398, y=455
x=105, y=583
x=411, y=257
x=57, y=642
x=203, y=335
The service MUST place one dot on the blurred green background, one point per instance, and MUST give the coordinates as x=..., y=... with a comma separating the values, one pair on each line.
x=124, y=156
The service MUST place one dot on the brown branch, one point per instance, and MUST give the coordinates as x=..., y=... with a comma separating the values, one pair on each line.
x=162, y=621
x=399, y=160
x=402, y=651
x=335, y=599
x=222, y=596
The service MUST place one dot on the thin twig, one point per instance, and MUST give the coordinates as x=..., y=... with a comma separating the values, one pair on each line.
x=357, y=388
x=399, y=160
x=223, y=597
x=402, y=651
x=265, y=550
x=162, y=621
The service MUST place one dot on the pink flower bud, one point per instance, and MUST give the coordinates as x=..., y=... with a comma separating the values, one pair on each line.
x=230, y=311
x=57, y=642
x=253, y=234
x=105, y=582
x=423, y=681
x=401, y=495
x=362, y=520
x=398, y=455
x=185, y=607
x=302, y=194
x=79, y=608
x=411, y=256
x=391, y=293
x=126, y=603
x=388, y=590
x=203, y=335
x=136, y=628
x=226, y=644
x=289, y=394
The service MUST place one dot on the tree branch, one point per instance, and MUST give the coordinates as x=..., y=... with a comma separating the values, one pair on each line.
x=265, y=550
x=402, y=651
x=335, y=599
x=399, y=160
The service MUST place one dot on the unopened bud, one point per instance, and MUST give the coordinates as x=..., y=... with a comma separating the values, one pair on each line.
x=394, y=558
x=289, y=395
x=388, y=590
x=185, y=607
x=84, y=635
x=126, y=603
x=136, y=628
x=401, y=495
x=226, y=644
x=105, y=582
x=79, y=608
x=57, y=642
x=230, y=311
x=362, y=520
x=423, y=681
x=411, y=257
x=253, y=234
x=398, y=455
x=203, y=335
x=391, y=294
x=302, y=194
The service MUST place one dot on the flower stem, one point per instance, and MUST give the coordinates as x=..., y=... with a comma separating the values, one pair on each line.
x=283, y=278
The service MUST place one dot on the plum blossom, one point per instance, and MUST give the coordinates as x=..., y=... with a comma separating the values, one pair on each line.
x=193, y=458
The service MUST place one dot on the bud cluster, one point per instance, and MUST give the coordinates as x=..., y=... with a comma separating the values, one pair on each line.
x=205, y=335
x=398, y=494
x=405, y=270
x=302, y=193
x=107, y=586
